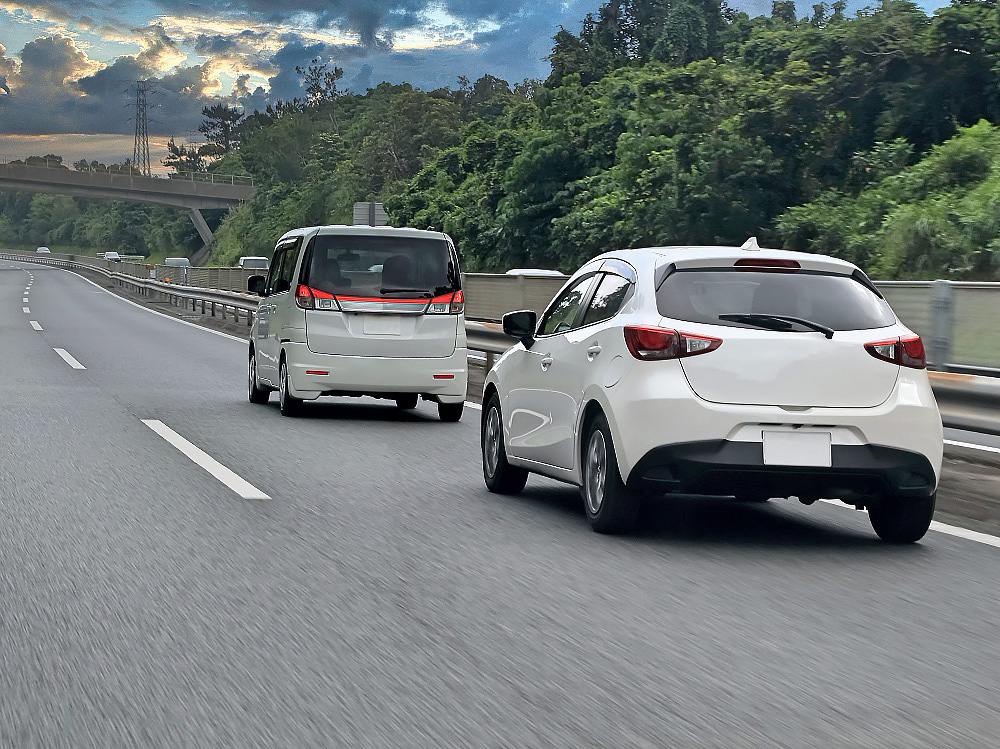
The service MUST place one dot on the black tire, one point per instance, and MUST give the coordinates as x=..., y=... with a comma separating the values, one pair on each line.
x=407, y=401
x=450, y=411
x=290, y=405
x=255, y=393
x=500, y=476
x=902, y=521
x=610, y=506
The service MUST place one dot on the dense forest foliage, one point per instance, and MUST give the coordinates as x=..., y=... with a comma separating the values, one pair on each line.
x=872, y=138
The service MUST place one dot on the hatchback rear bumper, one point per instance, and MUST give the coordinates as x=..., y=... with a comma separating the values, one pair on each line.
x=312, y=375
x=724, y=467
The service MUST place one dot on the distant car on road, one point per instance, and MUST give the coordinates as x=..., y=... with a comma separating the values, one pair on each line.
x=330, y=325
x=43, y=251
x=536, y=272
x=177, y=262
x=253, y=262
x=114, y=257
x=741, y=372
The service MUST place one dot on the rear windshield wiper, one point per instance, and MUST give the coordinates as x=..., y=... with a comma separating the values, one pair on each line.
x=422, y=292
x=762, y=320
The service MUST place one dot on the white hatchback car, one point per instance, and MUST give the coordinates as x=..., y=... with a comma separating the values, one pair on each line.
x=718, y=371
x=361, y=310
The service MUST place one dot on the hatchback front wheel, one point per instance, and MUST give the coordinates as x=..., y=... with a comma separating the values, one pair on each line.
x=501, y=477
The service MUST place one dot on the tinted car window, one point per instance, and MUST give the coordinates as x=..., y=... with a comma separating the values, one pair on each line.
x=839, y=302
x=608, y=299
x=561, y=316
x=382, y=266
x=275, y=269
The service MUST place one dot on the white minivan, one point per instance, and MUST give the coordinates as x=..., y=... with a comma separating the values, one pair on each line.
x=360, y=310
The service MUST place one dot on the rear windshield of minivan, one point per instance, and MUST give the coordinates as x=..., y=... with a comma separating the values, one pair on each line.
x=838, y=302
x=381, y=266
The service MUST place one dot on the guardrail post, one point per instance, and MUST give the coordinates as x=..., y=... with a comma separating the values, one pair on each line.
x=942, y=324
x=213, y=309
x=489, y=360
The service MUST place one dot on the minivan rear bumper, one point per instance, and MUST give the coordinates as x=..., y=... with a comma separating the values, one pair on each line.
x=445, y=377
x=724, y=467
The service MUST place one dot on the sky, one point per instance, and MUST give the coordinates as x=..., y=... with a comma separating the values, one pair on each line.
x=66, y=66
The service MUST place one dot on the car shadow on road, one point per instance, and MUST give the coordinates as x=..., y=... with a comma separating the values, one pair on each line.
x=721, y=521
x=347, y=409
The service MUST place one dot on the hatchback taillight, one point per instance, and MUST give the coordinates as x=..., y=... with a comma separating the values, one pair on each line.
x=309, y=298
x=447, y=304
x=906, y=352
x=659, y=343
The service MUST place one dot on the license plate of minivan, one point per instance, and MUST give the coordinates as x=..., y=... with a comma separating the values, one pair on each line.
x=382, y=324
x=797, y=448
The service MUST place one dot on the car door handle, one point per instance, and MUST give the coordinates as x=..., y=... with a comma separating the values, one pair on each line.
x=546, y=362
x=593, y=351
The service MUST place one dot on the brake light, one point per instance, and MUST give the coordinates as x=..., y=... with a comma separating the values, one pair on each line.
x=447, y=304
x=658, y=343
x=309, y=298
x=768, y=265
x=906, y=352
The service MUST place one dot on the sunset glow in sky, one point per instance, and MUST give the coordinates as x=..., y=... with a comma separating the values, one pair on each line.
x=66, y=65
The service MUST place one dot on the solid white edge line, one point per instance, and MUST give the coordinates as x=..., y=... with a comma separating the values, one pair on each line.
x=35, y=325
x=954, y=530
x=161, y=314
x=68, y=358
x=239, y=485
x=477, y=406
x=985, y=448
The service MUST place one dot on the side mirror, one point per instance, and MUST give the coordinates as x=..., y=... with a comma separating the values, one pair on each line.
x=255, y=285
x=521, y=325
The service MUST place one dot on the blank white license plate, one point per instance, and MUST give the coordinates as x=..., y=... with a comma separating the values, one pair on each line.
x=796, y=448
x=382, y=324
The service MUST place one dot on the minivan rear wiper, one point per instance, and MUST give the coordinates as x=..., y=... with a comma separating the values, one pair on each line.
x=762, y=320
x=423, y=292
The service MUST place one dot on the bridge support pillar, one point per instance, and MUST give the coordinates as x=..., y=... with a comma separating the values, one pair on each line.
x=201, y=225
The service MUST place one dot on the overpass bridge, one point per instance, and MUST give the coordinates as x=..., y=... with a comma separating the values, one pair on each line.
x=194, y=191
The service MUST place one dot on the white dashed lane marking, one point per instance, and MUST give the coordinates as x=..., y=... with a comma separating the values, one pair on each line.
x=35, y=325
x=239, y=485
x=68, y=358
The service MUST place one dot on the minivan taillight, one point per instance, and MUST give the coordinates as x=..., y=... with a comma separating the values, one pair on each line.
x=309, y=298
x=906, y=352
x=658, y=343
x=447, y=304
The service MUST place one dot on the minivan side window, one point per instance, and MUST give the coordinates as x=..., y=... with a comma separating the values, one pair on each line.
x=608, y=299
x=283, y=277
x=562, y=315
x=272, y=273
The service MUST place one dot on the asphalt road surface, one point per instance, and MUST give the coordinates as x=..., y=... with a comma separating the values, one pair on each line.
x=382, y=597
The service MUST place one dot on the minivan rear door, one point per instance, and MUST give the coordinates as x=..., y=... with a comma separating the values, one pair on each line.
x=382, y=295
x=770, y=361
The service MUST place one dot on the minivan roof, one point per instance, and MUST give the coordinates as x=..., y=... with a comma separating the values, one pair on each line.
x=371, y=231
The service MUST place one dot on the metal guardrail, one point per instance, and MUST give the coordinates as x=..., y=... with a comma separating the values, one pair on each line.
x=967, y=401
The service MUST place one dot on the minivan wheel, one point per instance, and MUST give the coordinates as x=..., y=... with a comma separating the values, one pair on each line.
x=501, y=477
x=610, y=506
x=255, y=392
x=902, y=521
x=290, y=405
x=450, y=411
x=407, y=401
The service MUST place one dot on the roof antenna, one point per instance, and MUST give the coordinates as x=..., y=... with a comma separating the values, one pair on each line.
x=750, y=244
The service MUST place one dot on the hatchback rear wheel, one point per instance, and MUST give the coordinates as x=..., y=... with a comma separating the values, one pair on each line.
x=902, y=521
x=611, y=507
x=501, y=477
